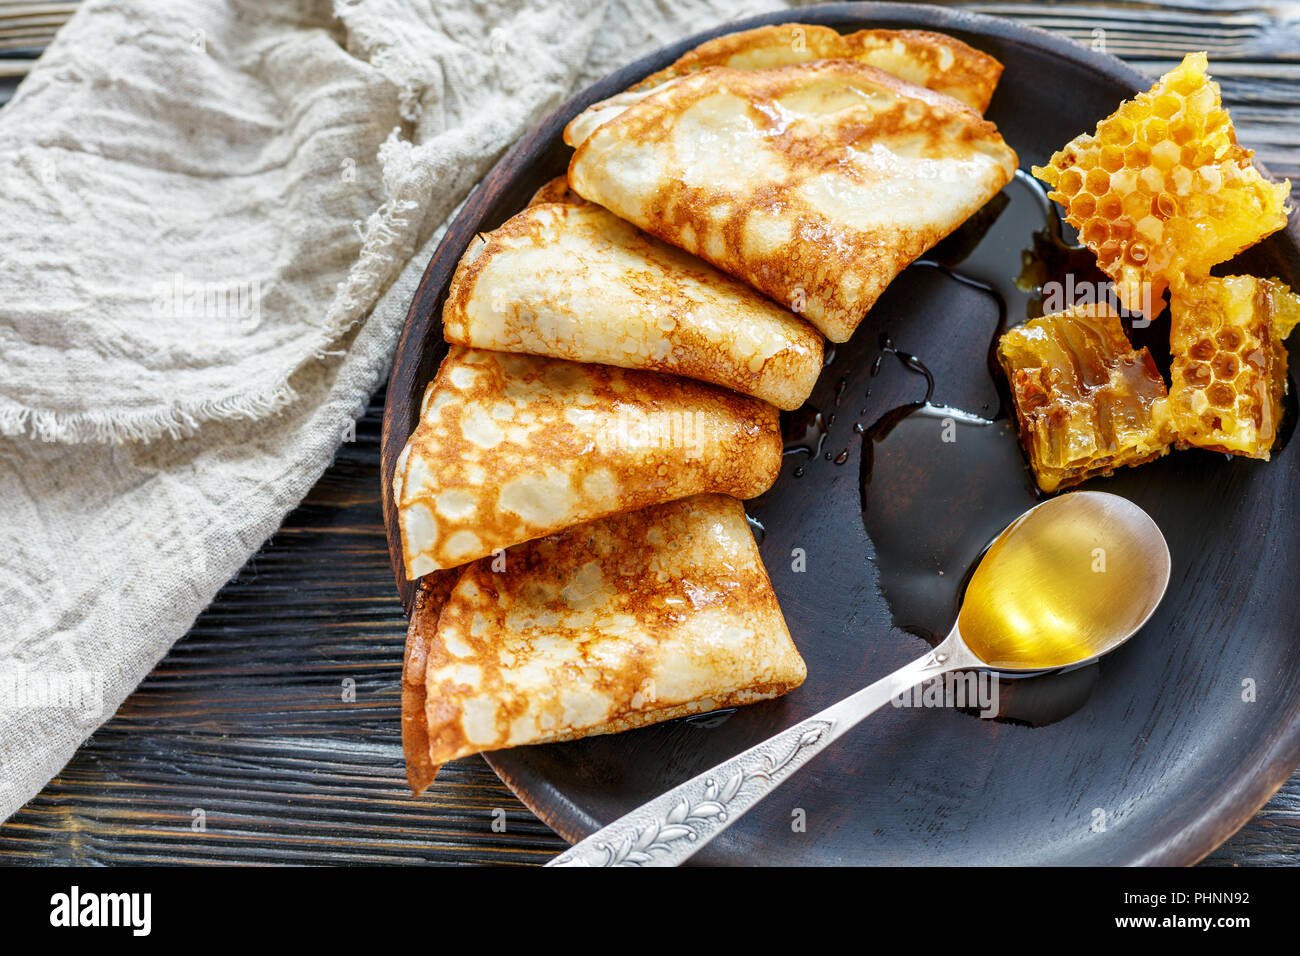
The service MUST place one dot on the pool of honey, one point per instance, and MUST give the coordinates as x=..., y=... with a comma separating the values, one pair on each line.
x=942, y=474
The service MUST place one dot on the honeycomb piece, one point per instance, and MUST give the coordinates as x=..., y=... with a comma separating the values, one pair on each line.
x=1229, y=369
x=1086, y=401
x=1162, y=190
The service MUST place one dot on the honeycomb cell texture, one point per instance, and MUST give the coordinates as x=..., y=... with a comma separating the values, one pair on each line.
x=1228, y=375
x=1162, y=191
x=1086, y=401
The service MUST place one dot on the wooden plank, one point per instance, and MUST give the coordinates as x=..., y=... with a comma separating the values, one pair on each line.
x=14, y=68
x=24, y=11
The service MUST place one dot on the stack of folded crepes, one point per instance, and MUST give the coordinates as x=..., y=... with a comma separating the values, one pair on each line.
x=619, y=351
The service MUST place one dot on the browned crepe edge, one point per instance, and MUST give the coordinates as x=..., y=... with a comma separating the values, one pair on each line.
x=977, y=68
x=557, y=190
x=432, y=594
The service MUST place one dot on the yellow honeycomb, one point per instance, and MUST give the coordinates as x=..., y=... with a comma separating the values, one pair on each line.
x=1161, y=190
x=1229, y=369
x=1086, y=401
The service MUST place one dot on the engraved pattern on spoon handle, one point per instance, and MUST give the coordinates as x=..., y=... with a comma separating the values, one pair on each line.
x=667, y=830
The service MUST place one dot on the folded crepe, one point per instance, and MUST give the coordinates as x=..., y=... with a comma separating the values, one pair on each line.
x=626, y=621
x=557, y=190
x=933, y=60
x=515, y=447
x=816, y=183
x=574, y=281
x=430, y=596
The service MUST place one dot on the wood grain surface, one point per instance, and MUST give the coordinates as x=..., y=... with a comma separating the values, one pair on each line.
x=270, y=733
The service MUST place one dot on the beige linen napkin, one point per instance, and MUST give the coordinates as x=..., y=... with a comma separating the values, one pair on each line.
x=213, y=216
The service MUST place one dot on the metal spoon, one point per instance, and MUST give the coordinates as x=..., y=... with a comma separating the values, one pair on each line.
x=1066, y=582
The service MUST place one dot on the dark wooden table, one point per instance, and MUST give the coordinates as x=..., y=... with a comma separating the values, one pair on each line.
x=270, y=733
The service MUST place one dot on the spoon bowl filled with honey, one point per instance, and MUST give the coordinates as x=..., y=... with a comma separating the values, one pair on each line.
x=1068, y=581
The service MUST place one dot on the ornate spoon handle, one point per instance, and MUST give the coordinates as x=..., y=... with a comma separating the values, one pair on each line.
x=670, y=828
x=667, y=830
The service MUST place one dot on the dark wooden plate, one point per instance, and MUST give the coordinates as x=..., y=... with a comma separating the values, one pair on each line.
x=1167, y=756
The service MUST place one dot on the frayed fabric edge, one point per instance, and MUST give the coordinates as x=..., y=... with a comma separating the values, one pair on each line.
x=392, y=234
x=390, y=237
x=394, y=230
x=174, y=421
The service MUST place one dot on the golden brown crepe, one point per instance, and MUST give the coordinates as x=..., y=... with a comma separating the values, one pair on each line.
x=938, y=62
x=557, y=190
x=515, y=447
x=431, y=594
x=929, y=60
x=574, y=281
x=816, y=183
x=626, y=621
